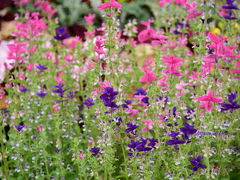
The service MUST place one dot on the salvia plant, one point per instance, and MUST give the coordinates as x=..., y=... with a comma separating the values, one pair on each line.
x=161, y=103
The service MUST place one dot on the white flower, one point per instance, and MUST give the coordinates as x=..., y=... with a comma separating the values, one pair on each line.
x=4, y=61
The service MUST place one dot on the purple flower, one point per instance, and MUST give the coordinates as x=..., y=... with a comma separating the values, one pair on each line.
x=196, y=163
x=118, y=120
x=153, y=142
x=140, y=91
x=180, y=25
x=131, y=128
x=59, y=89
x=88, y=102
x=175, y=141
x=95, y=150
x=61, y=33
x=176, y=32
x=143, y=145
x=59, y=85
x=128, y=102
x=41, y=68
x=188, y=130
x=108, y=96
x=41, y=94
x=190, y=112
x=146, y=100
x=23, y=89
x=165, y=99
x=57, y=150
x=229, y=5
x=19, y=127
x=60, y=101
x=174, y=134
x=232, y=105
x=174, y=110
x=71, y=94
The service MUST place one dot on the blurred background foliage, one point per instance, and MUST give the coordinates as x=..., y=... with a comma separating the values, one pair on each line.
x=71, y=12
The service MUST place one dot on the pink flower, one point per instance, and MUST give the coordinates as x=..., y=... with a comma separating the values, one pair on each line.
x=181, y=89
x=162, y=2
x=150, y=34
x=208, y=63
x=180, y=2
x=104, y=84
x=173, y=63
x=46, y=7
x=159, y=39
x=89, y=18
x=238, y=68
x=81, y=155
x=72, y=42
x=133, y=112
x=111, y=4
x=8, y=85
x=133, y=43
x=55, y=108
x=194, y=75
x=219, y=48
x=69, y=58
x=90, y=34
x=21, y=2
x=223, y=12
x=58, y=78
x=1, y=95
x=149, y=125
x=40, y=129
x=140, y=97
x=99, y=46
x=146, y=35
x=21, y=76
x=215, y=39
x=208, y=100
x=16, y=50
x=148, y=76
x=162, y=82
x=34, y=26
x=75, y=72
x=192, y=12
x=148, y=63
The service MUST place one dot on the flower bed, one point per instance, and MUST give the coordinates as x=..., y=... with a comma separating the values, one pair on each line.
x=162, y=103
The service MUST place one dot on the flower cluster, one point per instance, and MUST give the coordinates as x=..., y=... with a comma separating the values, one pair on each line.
x=108, y=97
x=232, y=105
x=143, y=145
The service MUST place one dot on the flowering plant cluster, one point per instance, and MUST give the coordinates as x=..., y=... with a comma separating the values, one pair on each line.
x=158, y=103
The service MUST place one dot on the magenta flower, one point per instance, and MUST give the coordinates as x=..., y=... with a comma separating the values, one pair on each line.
x=89, y=18
x=150, y=34
x=111, y=4
x=208, y=100
x=149, y=125
x=99, y=46
x=192, y=12
x=148, y=76
x=173, y=63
